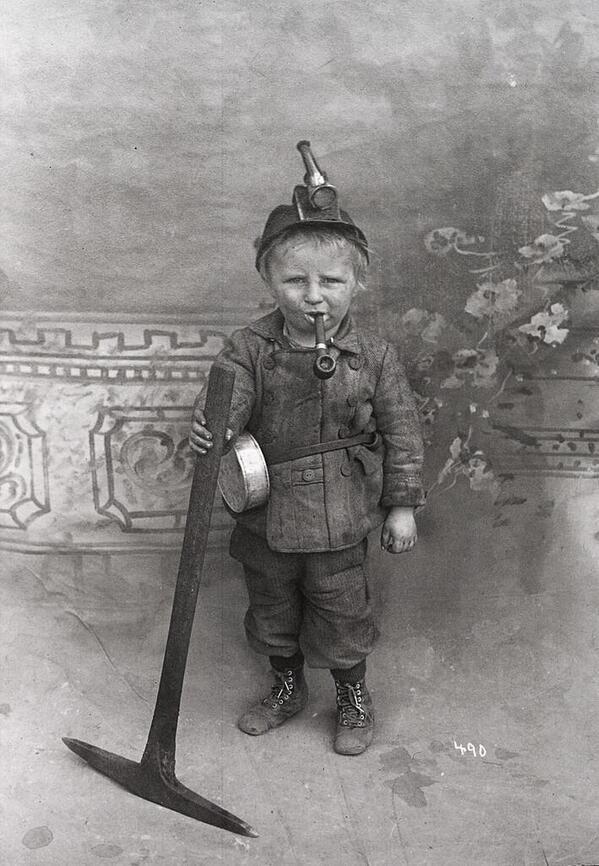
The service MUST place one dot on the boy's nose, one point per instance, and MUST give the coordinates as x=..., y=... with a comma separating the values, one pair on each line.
x=313, y=293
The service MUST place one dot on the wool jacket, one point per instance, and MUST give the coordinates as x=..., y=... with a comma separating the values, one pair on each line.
x=332, y=500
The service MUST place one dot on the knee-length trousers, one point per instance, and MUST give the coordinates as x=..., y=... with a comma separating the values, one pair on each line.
x=316, y=602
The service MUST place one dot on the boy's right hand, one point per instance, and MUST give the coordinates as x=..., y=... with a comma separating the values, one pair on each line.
x=200, y=437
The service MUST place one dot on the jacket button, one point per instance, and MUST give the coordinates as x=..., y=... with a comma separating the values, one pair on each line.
x=268, y=362
x=308, y=475
x=346, y=469
x=355, y=362
x=344, y=432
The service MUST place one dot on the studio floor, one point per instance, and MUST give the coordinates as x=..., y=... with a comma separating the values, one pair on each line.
x=478, y=653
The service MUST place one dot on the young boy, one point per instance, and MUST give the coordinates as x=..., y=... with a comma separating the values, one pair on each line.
x=303, y=552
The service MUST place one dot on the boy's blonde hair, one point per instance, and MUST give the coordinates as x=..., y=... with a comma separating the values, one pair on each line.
x=329, y=237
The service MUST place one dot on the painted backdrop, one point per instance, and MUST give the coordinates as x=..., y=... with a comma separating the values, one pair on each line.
x=142, y=147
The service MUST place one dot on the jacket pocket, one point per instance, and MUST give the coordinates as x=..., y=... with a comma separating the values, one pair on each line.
x=296, y=510
x=371, y=461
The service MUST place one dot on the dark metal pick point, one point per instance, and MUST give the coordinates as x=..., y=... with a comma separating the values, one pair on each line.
x=153, y=780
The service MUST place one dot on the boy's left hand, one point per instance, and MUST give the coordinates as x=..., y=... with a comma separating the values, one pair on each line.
x=399, y=532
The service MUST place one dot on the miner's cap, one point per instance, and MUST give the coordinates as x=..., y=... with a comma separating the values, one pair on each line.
x=285, y=216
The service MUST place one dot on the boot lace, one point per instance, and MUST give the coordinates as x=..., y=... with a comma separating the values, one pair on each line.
x=350, y=704
x=282, y=689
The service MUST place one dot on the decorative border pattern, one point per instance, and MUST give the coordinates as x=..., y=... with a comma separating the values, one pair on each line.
x=23, y=468
x=563, y=450
x=160, y=356
x=142, y=466
x=137, y=349
x=134, y=499
x=551, y=451
x=71, y=369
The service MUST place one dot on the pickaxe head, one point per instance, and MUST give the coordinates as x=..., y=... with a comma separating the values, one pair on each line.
x=153, y=779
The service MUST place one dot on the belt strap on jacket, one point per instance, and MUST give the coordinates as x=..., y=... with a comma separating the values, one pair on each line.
x=278, y=455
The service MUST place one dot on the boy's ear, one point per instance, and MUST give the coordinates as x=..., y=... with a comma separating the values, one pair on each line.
x=266, y=282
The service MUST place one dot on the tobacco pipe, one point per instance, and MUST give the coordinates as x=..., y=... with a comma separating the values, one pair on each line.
x=324, y=364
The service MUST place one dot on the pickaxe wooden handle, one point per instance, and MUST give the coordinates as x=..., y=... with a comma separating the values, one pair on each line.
x=153, y=778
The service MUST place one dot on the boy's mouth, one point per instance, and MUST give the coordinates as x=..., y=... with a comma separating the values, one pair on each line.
x=312, y=317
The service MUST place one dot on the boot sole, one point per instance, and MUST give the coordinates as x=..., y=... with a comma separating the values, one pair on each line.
x=271, y=727
x=359, y=748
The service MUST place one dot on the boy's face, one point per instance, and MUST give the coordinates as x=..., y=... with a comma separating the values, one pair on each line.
x=305, y=277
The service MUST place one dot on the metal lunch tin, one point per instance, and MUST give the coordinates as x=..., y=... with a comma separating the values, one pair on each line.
x=243, y=480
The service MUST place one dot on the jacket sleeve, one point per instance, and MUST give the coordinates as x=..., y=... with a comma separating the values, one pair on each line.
x=237, y=356
x=399, y=424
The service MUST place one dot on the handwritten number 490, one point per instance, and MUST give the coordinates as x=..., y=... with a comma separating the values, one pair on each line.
x=475, y=751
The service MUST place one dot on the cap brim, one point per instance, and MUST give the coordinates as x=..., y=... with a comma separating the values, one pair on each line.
x=349, y=227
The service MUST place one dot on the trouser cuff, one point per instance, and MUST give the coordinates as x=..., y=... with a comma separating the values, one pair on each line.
x=351, y=675
x=284, y=663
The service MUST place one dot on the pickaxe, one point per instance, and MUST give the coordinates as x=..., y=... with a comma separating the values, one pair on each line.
x=153, y=778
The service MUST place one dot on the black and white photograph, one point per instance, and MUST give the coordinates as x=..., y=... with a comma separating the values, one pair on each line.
x=299, y=433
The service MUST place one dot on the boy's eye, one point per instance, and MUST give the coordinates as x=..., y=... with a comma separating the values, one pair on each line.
x=332, y=280
x=294, y=280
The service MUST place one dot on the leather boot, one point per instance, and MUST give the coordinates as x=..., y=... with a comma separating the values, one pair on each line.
x=355, y=718
x=288, y=695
